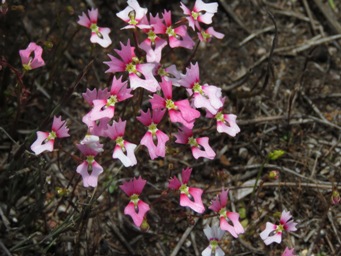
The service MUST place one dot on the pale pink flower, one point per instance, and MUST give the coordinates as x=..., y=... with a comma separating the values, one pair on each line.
x=169, y=73
x=154, y=139
x=201, y=12
x=204, y=96
x=199, y=146
x=133, y=14
x=219, y=206
x=45, y=140
x=136, y=208
x=179, y=111
x=214, y=235
x=123, y=150
x=226, y=123
x=99, y=35
x=31, y=57
x=92, y=142
x=206, y=35
x=140, y=74
x=105, y=108
x=273, y=233
x=189, y=196
x=288, y=252
x=89, y=168
x=153, y=44
x=95, y=127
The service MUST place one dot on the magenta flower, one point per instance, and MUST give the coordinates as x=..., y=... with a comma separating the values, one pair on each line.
x=105, y=108
x=177, y=36
x=99, y=35
x=89, y=168
x=219, y=206
x=226, y=123
x=153, y=44
x=133, y=15
x=123, y=150
x=154, y=139
x=31, y=57
x=199, y=146
x=140, y=74
x=45, y=140
x=273, y=233
x=206, y=35
x=288, y=252
x=189, y=196
x=201, y=12
x=204, y=96
x=214, y=235
x=136, y=208
x=179, y=111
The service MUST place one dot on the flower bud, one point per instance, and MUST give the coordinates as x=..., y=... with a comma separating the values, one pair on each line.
x=273, y=175
x=335, y=197
x=144, y=225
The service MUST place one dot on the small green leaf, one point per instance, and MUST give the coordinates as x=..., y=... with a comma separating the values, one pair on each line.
x=276, y=154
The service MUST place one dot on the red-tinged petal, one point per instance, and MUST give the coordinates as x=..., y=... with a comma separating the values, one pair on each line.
x=167, y=88
x=186, y=173
x=93, y=15
x=59, y=127
x=288, y=252
x=174, y=183
x=157, y=102
x=191, y=77
x=83, y=20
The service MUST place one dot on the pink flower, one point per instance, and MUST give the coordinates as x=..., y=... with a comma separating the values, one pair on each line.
x=136, y=208
x=153, y=44
x=214, y=235
x=95, y=127
x=89, y=168
x=179, y=111
x=219, y=206
x=189, y=196
x=133, y=14
x=288, y=252
x=99, y=35
x=199, y=146
x=123, y=150
x=226, y=123
x=204, y=96
x=140, y=74
x=31, y=57
x=105, y=108
x=201, y=12
x=206, y=35
x=177, y=36
x=154, y=139
x=45, y=140
x=273, y=233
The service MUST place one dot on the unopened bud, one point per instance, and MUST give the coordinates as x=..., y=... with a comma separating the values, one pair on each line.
x=336, y=199
x=273, y=175
x=144, y=225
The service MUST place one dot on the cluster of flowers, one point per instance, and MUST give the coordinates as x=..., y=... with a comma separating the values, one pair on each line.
x=141, y=67
x=146, y=71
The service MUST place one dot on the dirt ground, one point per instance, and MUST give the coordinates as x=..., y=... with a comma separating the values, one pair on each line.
x=279, y=65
